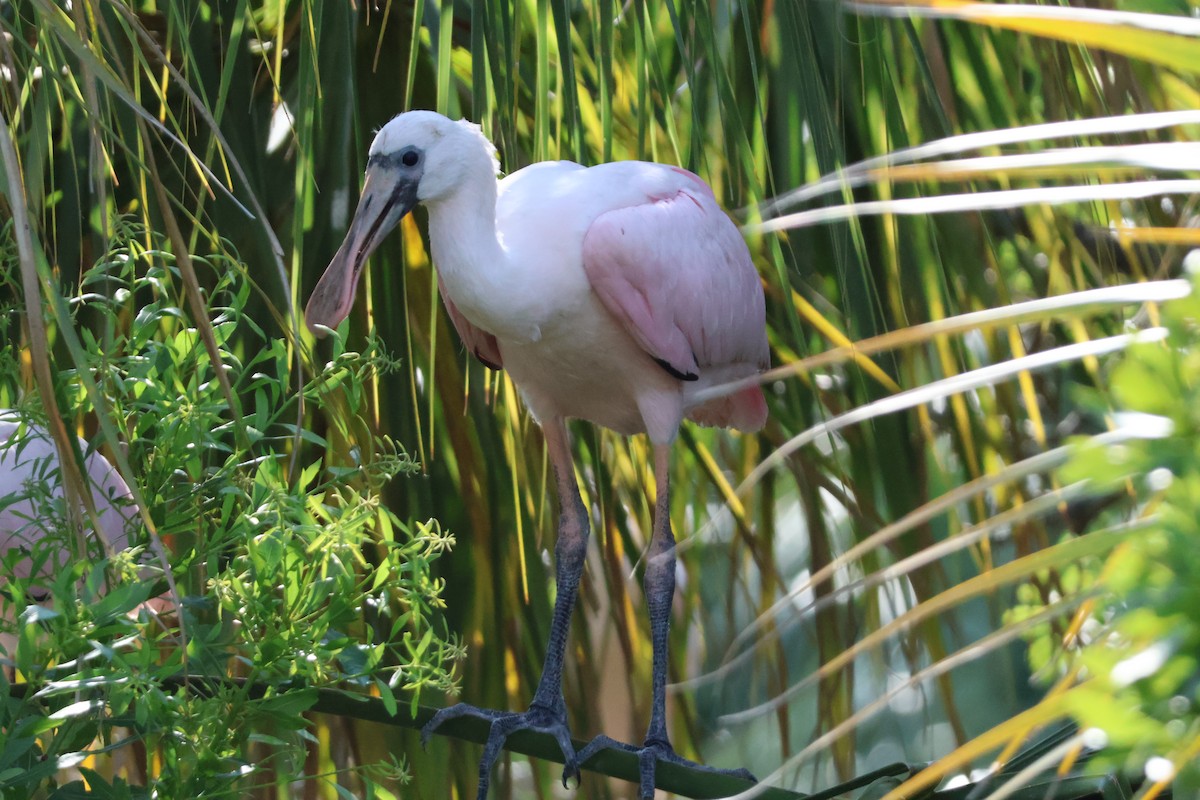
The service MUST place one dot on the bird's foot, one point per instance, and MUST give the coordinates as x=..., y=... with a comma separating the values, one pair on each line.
x=505, y=723
x=649, y=754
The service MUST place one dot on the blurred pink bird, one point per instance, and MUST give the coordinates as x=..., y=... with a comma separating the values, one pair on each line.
x=615, y=294
x=31, y=487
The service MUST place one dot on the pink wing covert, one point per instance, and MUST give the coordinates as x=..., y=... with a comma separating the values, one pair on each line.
x=676, y=273
x=479, y=342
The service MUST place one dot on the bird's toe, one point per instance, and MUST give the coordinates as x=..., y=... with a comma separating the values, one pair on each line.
x=743, y=773
x=502, y=725
x=454, y=712
x=570, y=770
x=570, y=760
x=649, y=755
x=428, y=728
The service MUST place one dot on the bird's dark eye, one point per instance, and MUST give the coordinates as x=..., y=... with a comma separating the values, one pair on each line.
x=409, y=158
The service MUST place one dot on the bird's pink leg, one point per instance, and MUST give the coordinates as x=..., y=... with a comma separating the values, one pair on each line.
x=548, y=712
x=659, y=586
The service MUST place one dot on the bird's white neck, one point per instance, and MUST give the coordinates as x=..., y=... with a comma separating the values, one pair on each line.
x=471, y=259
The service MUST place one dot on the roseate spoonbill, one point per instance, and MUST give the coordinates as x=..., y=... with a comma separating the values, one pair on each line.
x=612, y=294
x=28, y=456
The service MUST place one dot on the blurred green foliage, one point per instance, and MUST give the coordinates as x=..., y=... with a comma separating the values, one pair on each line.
x=1139, y=652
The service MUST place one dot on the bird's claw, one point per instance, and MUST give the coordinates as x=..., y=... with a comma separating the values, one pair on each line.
x=649, y=754
x=504, y=724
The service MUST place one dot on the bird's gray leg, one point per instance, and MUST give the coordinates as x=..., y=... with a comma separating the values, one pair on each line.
x=548, y=712
x=570, y=554
x=659, y=586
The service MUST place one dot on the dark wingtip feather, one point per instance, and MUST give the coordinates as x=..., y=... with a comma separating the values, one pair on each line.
x=674, y=373
x=490, y=365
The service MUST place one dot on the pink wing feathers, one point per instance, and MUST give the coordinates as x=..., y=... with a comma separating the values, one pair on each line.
x=479, y=342
x=676, y=273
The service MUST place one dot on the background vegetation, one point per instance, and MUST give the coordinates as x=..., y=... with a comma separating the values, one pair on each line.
x=893, y=571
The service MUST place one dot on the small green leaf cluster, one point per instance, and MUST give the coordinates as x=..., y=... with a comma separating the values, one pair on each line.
x=291, y=575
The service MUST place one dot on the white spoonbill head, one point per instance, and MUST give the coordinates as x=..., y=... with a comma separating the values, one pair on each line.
x=448, y=154
x=420, y=156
